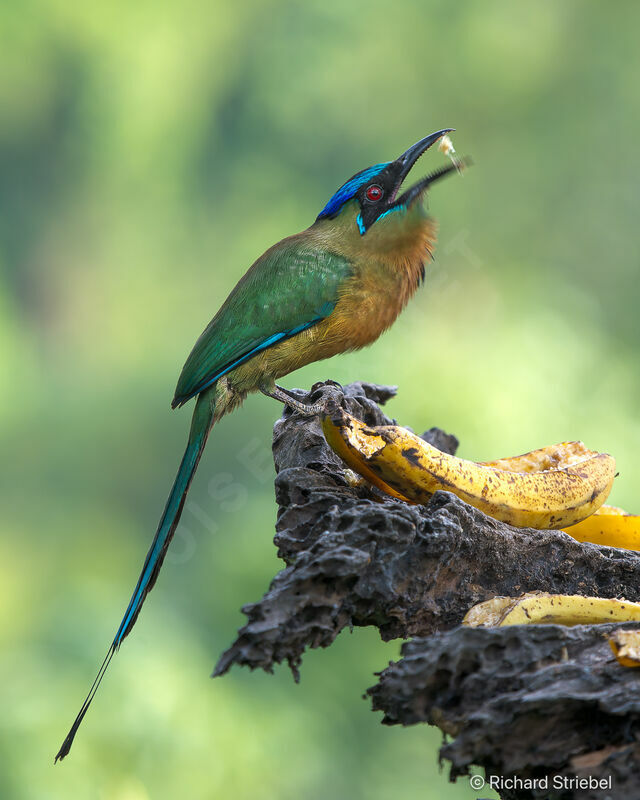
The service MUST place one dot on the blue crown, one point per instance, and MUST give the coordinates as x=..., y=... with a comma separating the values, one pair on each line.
x=348, y=190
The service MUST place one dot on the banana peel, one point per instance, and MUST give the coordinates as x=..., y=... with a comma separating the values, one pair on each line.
x=626, y=647
x=609, y=526
x=553, y=487
x=542, y=608
x=553, y=456
x=348, y=440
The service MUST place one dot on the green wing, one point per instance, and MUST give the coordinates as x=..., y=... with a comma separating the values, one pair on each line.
x=288, y=289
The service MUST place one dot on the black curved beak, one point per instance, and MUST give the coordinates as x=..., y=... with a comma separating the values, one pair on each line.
x=410, y=156
x=402, y=166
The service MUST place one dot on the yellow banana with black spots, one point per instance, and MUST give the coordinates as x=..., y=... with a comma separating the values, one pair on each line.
x=541, y=608
x=553, y=487
x=352, y=445
x=553, y=456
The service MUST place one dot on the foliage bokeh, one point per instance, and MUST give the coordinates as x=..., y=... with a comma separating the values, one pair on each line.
x=148, y=153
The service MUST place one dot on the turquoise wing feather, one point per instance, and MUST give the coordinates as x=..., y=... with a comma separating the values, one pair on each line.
x=288, y=289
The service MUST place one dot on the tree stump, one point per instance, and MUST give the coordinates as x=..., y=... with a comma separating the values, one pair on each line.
x=545, y=710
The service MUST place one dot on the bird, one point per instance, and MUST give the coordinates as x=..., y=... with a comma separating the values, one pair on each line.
x=333, y=288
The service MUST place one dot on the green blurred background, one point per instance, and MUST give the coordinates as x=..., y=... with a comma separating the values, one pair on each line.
x=149, y=152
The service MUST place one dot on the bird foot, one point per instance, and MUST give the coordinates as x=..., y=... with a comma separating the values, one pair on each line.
x=290, y=400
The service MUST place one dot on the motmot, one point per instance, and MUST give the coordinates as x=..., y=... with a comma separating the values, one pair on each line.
x=333, y=288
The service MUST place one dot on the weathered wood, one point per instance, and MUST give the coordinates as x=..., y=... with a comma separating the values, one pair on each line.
x=529, y=700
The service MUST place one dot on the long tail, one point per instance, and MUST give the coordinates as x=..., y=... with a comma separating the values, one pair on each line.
x=203, y=417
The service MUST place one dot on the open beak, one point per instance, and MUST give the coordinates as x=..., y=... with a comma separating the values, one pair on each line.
x=402, y=166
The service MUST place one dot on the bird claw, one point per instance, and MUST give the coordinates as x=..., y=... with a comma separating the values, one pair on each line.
x=292, y=402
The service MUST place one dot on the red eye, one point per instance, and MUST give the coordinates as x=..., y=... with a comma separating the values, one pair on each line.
x=374, y=193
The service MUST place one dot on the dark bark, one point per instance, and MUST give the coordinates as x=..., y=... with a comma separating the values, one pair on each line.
x=529, y=700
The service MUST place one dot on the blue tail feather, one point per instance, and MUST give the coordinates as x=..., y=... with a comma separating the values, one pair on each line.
x=200, y=427
x=158, y=549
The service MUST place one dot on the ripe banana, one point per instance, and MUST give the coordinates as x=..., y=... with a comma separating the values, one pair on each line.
x=609, y=526
x=553, y=456
x=541, y=608
x=553, y=487
x=352, y=445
